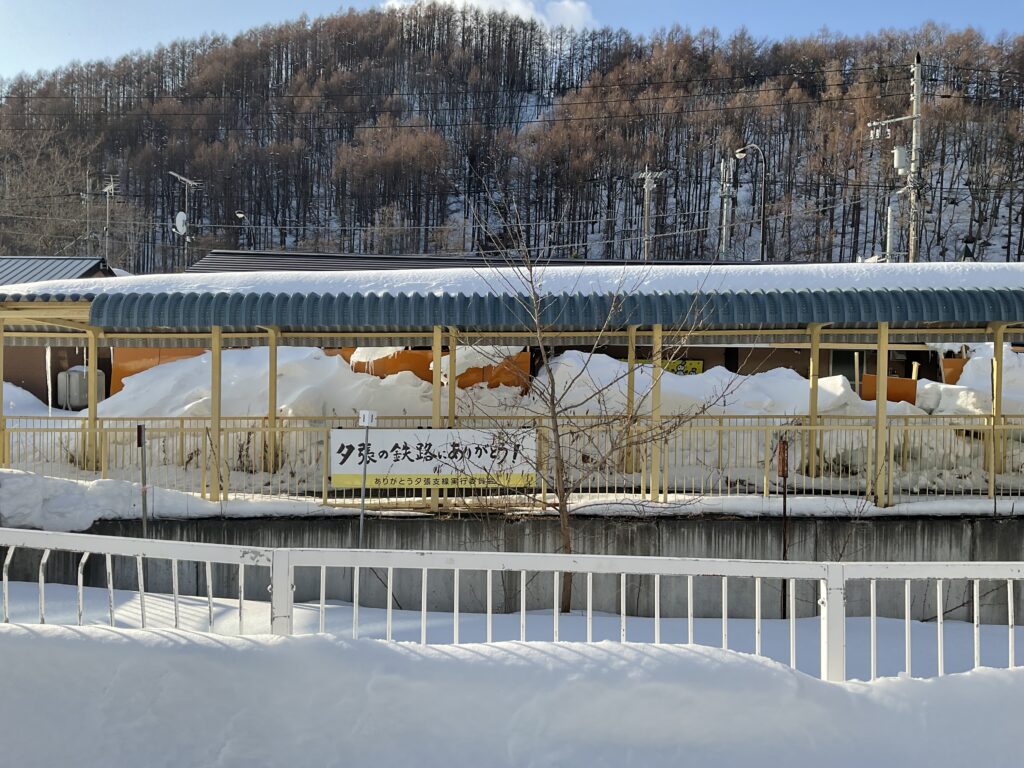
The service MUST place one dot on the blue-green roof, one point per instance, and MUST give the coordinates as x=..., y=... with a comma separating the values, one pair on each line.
x=587, y=297
x=563, y=312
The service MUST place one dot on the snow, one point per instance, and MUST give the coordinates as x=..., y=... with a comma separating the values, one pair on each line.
x=370, y=354
x=30, y=500
x=21, y=402
x=589, y=278
x=311, y=384
x=94, y=697
x=476, y=356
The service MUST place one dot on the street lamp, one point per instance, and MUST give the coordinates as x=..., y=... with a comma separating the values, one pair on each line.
x=245, y=224
x=739, y=155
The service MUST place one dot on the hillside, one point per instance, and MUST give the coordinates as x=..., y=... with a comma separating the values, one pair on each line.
x=439, y=129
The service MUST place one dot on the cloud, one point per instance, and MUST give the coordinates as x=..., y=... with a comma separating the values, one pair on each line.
x=554, y=13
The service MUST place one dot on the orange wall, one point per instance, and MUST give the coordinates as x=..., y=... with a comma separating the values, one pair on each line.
x=131, y=360
x=511, y=372
x=898, y=390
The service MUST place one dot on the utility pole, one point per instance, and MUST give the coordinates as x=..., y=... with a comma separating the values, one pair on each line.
x=727, y=197
x=87, y=197
x=915, y=180
x=650, y=180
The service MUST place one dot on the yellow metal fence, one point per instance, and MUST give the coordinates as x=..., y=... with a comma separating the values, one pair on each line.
x=602, y=458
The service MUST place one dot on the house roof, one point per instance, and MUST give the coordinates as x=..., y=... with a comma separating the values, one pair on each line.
x=31, y=269
x=300, y=261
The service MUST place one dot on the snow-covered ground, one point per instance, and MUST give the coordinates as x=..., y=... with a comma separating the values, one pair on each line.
x=29, y=500
x=62, y=608
x=96, y=697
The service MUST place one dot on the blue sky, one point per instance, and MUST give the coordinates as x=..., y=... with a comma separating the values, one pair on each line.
x=48, y=33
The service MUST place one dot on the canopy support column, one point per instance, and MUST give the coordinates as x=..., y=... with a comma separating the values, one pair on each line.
x=631, y=419
x=881, y=404
x=453, y=386
x=4, y=453
x=216, y=448
x=272, y=341
x=812, y=400
x=435, y=421
x=92, y=394
x=656, y=480
x=998, y=331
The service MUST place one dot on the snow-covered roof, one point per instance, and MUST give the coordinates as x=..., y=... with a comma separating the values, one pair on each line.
x=584, y=297
x=583, y=279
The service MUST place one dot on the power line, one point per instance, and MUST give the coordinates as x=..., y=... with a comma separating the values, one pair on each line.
x=550, y=93
x=520, y=123
x=272, y=112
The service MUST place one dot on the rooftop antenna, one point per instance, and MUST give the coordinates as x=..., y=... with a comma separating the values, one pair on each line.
x=113, y=180
x=182, y=219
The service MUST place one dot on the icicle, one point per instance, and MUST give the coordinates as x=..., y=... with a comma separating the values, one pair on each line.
x=49, y=381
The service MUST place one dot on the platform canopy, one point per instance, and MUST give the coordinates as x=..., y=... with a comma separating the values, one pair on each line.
x=699, y=300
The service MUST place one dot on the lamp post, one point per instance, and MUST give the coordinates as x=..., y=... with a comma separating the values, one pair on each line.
x=740, y=154
x=245, y=224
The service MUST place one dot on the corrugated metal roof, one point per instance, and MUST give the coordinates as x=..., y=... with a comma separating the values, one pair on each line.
x=292, y=261
x=901, y=307
x=30, y=269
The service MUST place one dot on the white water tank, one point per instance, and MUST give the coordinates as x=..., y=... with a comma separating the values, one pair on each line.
x=73, y=387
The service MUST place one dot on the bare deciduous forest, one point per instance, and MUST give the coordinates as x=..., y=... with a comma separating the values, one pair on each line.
x=431, y=129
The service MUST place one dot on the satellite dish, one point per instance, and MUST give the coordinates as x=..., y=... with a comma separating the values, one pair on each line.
x=181, y=223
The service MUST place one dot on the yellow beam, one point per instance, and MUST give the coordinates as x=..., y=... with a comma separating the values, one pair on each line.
x=55, y=322
x=61, y=310
x=881, y=401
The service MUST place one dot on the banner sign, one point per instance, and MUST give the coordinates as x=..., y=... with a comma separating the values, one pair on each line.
x=433, y=458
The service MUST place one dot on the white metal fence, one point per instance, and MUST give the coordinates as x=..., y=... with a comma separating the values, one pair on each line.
x=203, y=575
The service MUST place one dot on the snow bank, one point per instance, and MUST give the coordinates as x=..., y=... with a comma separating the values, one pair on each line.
x=310, y=383
x=124, y=697
x=598, y=384
x=21, y=402
x=28, y=500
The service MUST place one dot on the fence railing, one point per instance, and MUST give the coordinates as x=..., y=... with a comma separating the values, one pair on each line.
x=608, y=457
x=742, y=596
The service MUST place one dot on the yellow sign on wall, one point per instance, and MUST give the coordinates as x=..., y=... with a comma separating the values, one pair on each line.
x=680, y=366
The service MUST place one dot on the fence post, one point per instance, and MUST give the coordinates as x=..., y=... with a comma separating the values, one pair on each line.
x=281, y=598
x=833, y=623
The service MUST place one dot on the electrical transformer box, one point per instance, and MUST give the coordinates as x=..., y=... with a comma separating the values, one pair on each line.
x=73, y=388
